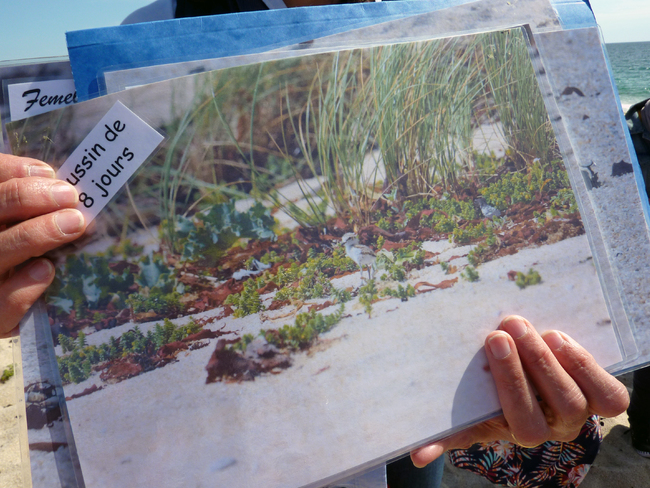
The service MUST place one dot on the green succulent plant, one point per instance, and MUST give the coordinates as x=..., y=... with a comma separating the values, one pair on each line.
x=470, y=274
x=523, y=280
x=75, y=365
x=247, y=302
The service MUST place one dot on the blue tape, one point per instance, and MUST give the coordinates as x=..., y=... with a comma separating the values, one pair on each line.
x=94, y=50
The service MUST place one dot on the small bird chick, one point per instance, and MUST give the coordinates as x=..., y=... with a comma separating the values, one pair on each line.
x=487, y=210
x=360, y=254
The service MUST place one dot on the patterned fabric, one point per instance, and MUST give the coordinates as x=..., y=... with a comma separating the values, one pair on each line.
x=550, y=465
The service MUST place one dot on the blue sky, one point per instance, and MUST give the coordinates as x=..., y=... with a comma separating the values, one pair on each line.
x=36, y=28
x=623, y=20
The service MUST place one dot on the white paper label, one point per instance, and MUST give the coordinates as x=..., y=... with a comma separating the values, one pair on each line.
x=38, y=97
x=107, y=158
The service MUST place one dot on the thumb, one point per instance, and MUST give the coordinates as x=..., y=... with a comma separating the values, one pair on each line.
x=427, y=454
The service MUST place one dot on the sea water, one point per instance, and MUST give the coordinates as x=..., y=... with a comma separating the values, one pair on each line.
x=631, y=66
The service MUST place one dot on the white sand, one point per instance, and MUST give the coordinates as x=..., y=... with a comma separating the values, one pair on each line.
x=10, y=459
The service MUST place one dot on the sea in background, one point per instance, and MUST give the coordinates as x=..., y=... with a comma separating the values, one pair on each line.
x=631, y=66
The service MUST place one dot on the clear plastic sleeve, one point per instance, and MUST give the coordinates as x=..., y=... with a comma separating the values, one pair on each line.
x=591, y=115
x=332, y=376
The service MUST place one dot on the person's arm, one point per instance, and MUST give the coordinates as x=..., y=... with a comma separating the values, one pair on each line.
x=570, y=384
x=645, y=116
x=36, y=215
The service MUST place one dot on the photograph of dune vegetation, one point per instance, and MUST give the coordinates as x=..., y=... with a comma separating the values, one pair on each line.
x=298, y=284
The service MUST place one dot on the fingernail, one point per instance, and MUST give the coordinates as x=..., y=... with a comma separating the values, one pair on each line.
x=499, y=346
x=69, y=222
x=515, y=326
x=64, y=195
x=41, y=270
x=42, y=171
x=554, y=340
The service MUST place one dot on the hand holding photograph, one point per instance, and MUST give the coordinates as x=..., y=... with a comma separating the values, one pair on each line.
x=297, y=285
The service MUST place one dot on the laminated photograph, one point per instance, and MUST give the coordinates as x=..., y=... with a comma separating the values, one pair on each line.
x=296, y=286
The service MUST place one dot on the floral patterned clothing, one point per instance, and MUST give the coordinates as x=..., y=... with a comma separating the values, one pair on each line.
x=550, y=465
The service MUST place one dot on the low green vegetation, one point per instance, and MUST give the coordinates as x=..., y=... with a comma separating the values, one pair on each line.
x=88, y=283
x=310, y=279
x=7, y=373
x=156, y=276
x=470, y=273
x=479, y=254
x=398, y=262
x=310, y=283
x=395, y=272
x=522, y=280
x=270, y=257
x=367, y=295
x=162, y=304
x=485, y=164
x=456, y=217
x=384, y=223
x=306, y=328
x=563, y=202
x=79, y=358
x=401, y=292
x=446, y=211
x=526, y=185
x=341, y=296
x=247, y=302
x=471, y=232
x=205, y=237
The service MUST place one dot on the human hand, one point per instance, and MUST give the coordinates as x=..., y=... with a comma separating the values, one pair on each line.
x=36, y=215
x=571, y=385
